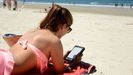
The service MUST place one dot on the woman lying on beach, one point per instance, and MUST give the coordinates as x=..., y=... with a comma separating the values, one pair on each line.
x=36, y=47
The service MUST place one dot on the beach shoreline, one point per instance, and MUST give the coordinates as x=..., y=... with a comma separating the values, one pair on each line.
x=95, y=9
x=120, y=11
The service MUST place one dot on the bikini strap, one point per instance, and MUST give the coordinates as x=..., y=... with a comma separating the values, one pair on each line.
x=23, y=44
x=41, y=58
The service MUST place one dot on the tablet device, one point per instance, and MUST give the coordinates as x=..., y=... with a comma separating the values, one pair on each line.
x=74, y=53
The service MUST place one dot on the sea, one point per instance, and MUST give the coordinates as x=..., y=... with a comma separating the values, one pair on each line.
x=81, y=2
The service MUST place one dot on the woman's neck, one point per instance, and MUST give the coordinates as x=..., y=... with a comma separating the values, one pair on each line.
x=57, y=34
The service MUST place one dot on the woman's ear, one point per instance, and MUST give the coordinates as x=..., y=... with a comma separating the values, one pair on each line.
x=65, y=25
x=62, y=26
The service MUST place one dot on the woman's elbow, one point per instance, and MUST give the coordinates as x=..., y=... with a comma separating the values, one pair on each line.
x=59, y=70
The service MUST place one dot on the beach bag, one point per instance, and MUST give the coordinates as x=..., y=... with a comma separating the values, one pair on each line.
x=11, y=39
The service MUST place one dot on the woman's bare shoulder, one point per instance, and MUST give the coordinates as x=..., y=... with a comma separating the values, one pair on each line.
x=44, y=38
x=48, y=39
x=30, y=31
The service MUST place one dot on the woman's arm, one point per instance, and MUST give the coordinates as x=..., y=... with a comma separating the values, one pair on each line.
x=57, y=56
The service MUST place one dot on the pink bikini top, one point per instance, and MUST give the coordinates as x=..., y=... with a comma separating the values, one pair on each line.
x=42, y=60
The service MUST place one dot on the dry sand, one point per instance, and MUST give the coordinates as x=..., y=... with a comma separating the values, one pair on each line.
x=107, y=35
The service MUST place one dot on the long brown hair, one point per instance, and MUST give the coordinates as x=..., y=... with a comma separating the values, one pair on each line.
x=56, y=17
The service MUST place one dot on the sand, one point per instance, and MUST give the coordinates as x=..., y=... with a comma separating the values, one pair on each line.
x=107, y=35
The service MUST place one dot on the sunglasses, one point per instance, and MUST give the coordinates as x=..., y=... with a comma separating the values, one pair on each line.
x=69, y=30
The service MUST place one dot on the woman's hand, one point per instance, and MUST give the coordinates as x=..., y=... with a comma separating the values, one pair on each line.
x=75, y=62
x=78, y=58
x=66, y=54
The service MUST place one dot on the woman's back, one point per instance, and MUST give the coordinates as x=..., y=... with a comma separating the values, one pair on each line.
x=38, y=38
